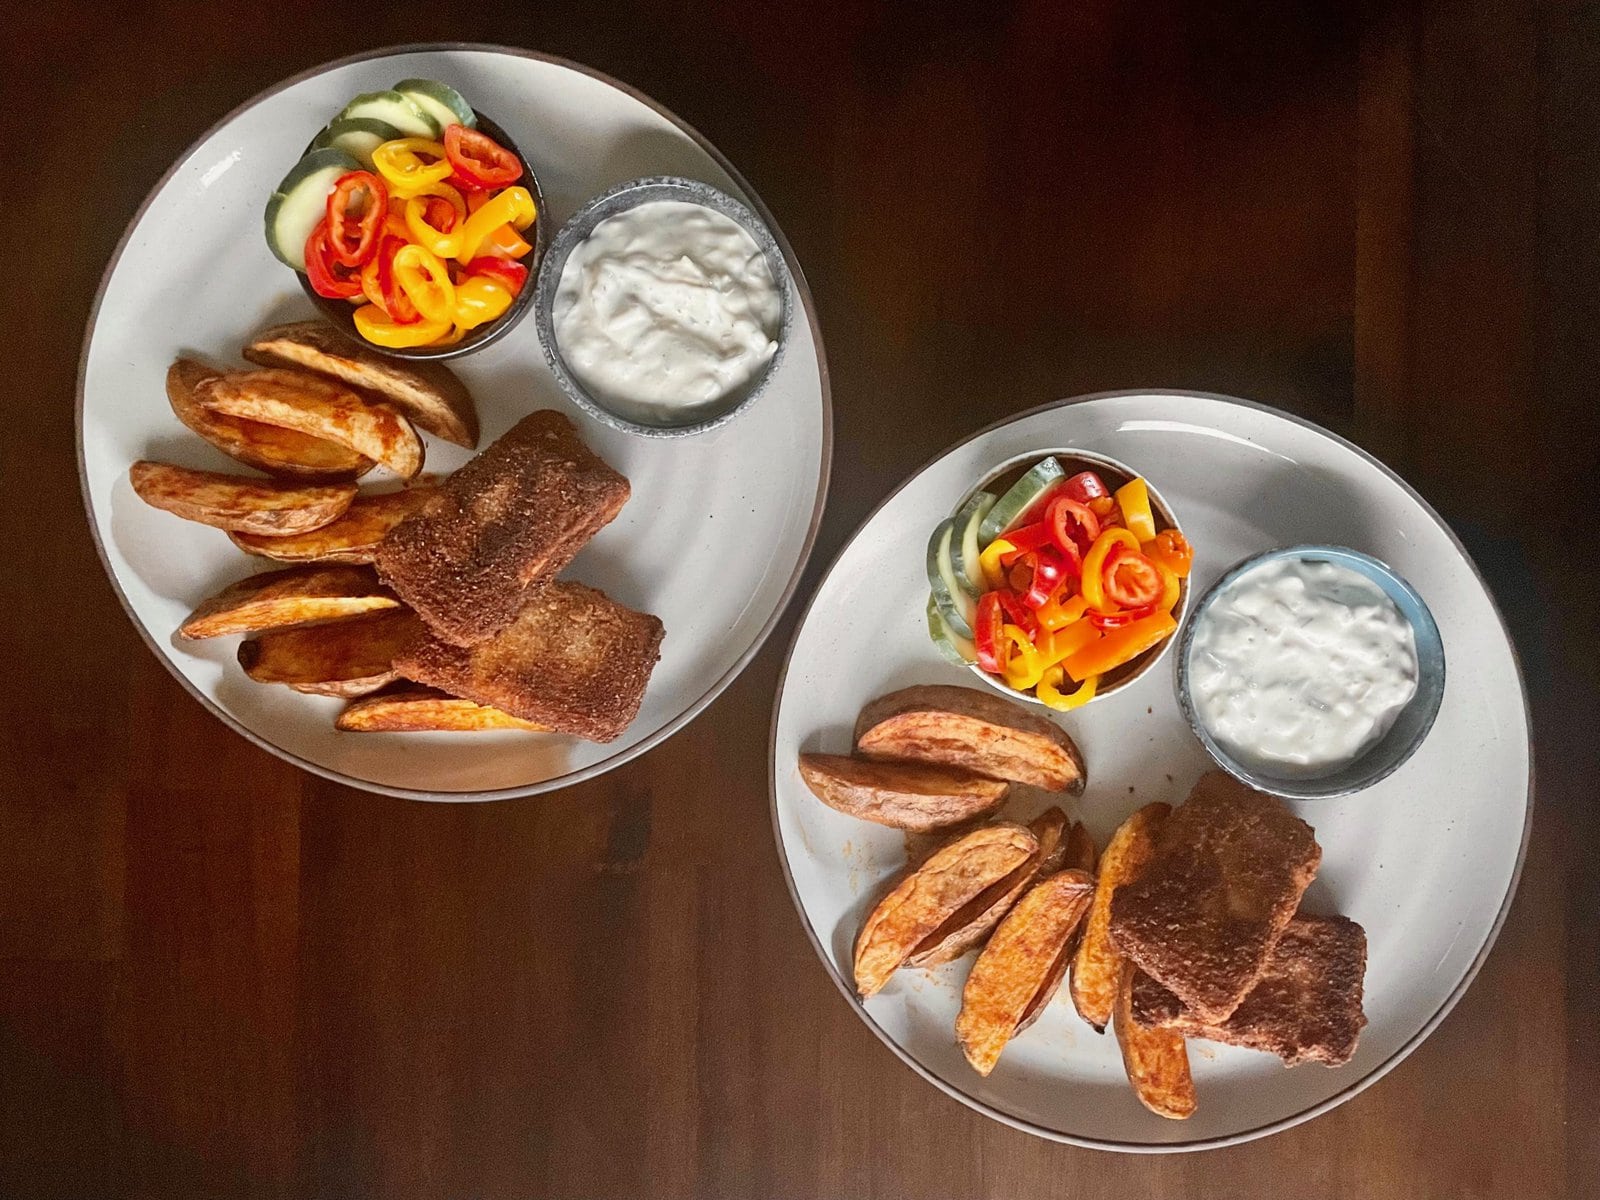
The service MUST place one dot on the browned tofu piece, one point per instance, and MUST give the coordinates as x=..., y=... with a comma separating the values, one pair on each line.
x=501, y=527
x=1306, y=1007
x=1203, y=916
x=574, y=661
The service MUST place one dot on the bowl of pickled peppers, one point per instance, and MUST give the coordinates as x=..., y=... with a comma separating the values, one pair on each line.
x=1060, y=579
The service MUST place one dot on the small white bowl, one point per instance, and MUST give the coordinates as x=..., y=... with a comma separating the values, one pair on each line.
x=1115, y=474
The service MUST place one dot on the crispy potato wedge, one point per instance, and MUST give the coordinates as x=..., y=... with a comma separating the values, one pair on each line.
x=318, y=406
x=344, y=658
x=1021, y=967
x=237, y=504
x=1079, y=851
x=909, y=796
x=267, y=447
x=423, y=709
x=1157, y=1060
x=920, y=903
x=1097, y=965
x=427, y=393
x=352, y=538
x=971, y=730
x=969, y=925
x=1051, y=827
x=297, y=596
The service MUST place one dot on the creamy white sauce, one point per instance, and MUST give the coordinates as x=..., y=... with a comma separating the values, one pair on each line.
x=1297, y=667
x=665, y=310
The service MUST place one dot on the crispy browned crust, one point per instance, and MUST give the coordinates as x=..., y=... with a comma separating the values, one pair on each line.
x=912, y=796
x=1306, y=1007
x=499, y=528
x=295, y=596
x=976, y=731
x=434, y=399
x=574, y=661
x=1228, y=873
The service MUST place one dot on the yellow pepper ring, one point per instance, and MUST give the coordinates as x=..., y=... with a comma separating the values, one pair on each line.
x=480, y=300
x=374, y=325
x=1031, y=669
x=426, y=280
x=436, y=241
x=1094, y=565
x=1049, y=690
x=513, y=206
x=400, y=162
x=989, y=563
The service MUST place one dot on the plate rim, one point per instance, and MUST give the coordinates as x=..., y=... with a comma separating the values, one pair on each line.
x=1195, y=1144
x=720, y=684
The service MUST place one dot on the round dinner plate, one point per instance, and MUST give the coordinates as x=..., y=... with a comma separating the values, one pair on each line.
x=1426, y=861
x=712, y=541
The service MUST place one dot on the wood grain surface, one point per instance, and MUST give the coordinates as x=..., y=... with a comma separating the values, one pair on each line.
x=222, y=977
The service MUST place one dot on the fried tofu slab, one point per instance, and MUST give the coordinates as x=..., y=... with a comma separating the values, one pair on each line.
x=573, y=660
x=1228, y=873
x=500, y=528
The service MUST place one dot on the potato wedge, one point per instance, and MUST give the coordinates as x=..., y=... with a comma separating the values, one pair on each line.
x=1156, y=1060
x=1097, y=965
x=427, y=393
x=421, y=709
x=352, y=538
x=315, y=405
x=267, y=447
x=344, y=658
x=971, y=730
x=972, y=923
x=1079, y=851
x=920, y=903
x=1021, y=967
x=1051, y=827
x=237, y=504
x=901, y=795
x=297, y=596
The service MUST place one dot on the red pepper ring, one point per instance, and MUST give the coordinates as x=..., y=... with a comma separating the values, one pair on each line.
x=1085, y=486
x=326, y=276
x=1024, y=540
x=986, y=628
x=439, y=213
x=1118, y=620
x=1018, y=613
x=478, y=159
x=1073, y=525
x=1131, y=578
x=1049, y=568
x=396, y=303
x=506, y=270
x=357, y=207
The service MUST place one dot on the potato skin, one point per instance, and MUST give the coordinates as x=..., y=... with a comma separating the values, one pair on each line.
x=911, y=796
x=236, y=503
x=424, y=709
x=345, y=658
x=1156, y=1060
x=1097, y=967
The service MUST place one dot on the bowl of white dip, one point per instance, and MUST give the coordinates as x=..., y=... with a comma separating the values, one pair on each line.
x=1311, y=671
x=663, y=306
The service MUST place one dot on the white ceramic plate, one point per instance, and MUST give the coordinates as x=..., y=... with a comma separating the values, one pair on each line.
x=712, y=541
x=1426, y=861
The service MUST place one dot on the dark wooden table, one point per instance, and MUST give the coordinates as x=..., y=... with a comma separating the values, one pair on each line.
x=222, y=977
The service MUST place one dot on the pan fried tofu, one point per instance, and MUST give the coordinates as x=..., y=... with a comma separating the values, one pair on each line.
x=573, y=661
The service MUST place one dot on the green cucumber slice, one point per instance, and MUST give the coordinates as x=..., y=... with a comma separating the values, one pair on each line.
x=440, y=101
x=954, y=605
x=965, y=549
x=302, y=200
x=394, y=109
x=958, y=651
x=357, y=136
x=1022, y=496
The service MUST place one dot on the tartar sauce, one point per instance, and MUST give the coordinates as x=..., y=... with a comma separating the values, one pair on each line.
x=666, y=309
x=1297, y=667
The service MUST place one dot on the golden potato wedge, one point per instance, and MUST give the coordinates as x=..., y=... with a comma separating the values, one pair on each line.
x=969, y=925
x=421, y=709
x=352, y=538
x=318, y=406
x=919, y=904
x=1156, y=1060
x=1079, y=851
x=1021, y=967
x=971, y=730
x=1051, y=828
x=267, y=447
x=909, y=796
x=344, y=658
x=433, y=398
x=296, y=596
x=1097, y=965
x=237, y=504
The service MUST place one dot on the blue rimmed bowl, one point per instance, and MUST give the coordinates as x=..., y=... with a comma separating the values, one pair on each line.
x=1410, y=727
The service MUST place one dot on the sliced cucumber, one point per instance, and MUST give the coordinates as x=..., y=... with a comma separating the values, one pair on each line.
x=357, y=136
x=964, y=546
x=302, y=200
x=956, y=650
x=1024, y=494
x=439, y=100
x=954, y=605
x=400, y=111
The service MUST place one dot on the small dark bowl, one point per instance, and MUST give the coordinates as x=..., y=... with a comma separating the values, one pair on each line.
x=341, y=314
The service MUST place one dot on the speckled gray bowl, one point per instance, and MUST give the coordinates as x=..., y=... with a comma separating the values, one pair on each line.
x=618, y=200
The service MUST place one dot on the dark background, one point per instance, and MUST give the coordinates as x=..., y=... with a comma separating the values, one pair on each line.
x=220, y=976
